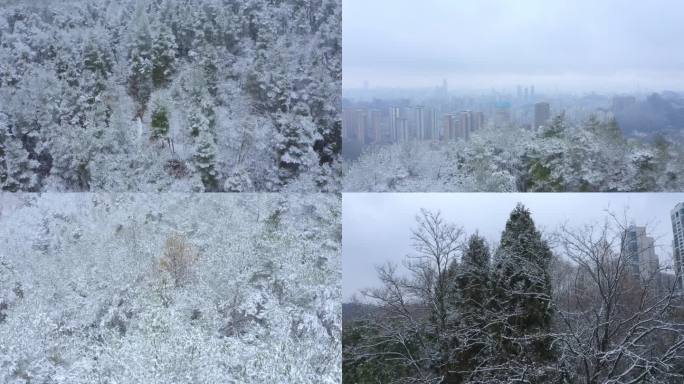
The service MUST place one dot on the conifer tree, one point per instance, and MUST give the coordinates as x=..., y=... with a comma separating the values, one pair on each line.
x=205, y=151
x=140, y=61
x=294, y=145
x=522, y=290
x=163, y=55
x=160, y=121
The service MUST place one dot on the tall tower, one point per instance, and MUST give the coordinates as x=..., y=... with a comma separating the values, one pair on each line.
x=640, y=253
x=434, y=124
x=420, y=123
x=677, y=215
x=394, y=118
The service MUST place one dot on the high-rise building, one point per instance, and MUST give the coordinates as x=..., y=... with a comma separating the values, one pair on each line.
x=542, y=114
x=478, y=120
x=433, y=122
x=347, y=123
x=361, y=126
x=395, y=114
x=502, y=112
x=519, y=92
x=465, y=125
x=420, y=123
x=449, y=127
x=532, y=92
x=640, y=254
x=677, y=215
x=402, y=130
x=374, y=126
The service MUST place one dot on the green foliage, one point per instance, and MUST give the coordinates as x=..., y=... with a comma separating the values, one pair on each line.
x=522, y=287
x=160, y=122
x=163, y=56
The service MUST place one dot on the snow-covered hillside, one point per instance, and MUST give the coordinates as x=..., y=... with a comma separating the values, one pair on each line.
x=172, y=288
x=171, y=95
x=589, y=157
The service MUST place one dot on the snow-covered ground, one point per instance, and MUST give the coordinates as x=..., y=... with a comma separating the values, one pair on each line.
x=90, y=291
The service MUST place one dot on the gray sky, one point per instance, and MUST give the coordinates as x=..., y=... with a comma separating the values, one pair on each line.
x=607, y=45
x=376, y=227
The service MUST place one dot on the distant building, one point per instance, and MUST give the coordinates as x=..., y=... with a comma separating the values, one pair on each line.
x=450, y=127
x=402, y=130
x=374, y=126
x=502, y=112
x=361, y=126
x=465, y=125
x=478, y=120
x=395, y=115
x=620, y=103
x=347, y=123
x=677, y=215
x=640, y=254
x=542, y=114
x=420, y=123
x=433, y=124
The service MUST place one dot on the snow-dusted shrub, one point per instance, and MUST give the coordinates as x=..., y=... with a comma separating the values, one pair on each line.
x=178, y=259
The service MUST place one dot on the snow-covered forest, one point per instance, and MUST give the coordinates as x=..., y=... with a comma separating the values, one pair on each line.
x=170, y=95
x=593, y=156
x=562, y=307
x=171, y=288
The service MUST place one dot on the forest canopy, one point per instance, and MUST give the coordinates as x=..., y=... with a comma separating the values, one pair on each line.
x=170, y=95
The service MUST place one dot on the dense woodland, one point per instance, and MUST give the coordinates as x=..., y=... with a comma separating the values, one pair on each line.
x=533, y=309
x=170, y=95
x=177, y=288
x=593, y=156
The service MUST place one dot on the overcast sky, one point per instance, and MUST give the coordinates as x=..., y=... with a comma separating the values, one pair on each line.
x=607, y=45
x=376, y=227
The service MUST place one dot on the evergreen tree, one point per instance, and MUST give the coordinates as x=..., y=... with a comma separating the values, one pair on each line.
x=19, y=174
x=205, y=151
x=160, y=121
x=294, y=146
x=557, y=127
x=522, y=291
x=163, y=55
x=140, y=60
x=472, y=280
x=470, y=293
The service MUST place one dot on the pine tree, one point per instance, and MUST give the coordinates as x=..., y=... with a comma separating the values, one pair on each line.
x=160, y=121
x=471, y=293
x=140, y=60
x=472, y=279
x=205, y=151
x=163, y=55
x=557, y=127
x=19, y=174
x=522, y=290
x=294, y=146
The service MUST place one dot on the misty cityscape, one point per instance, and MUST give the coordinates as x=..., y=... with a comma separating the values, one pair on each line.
x=439, y=115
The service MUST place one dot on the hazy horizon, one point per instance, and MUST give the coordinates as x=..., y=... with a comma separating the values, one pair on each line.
x=611, y=46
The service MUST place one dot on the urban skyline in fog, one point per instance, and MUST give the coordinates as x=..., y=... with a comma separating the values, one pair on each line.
x=487, y=44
